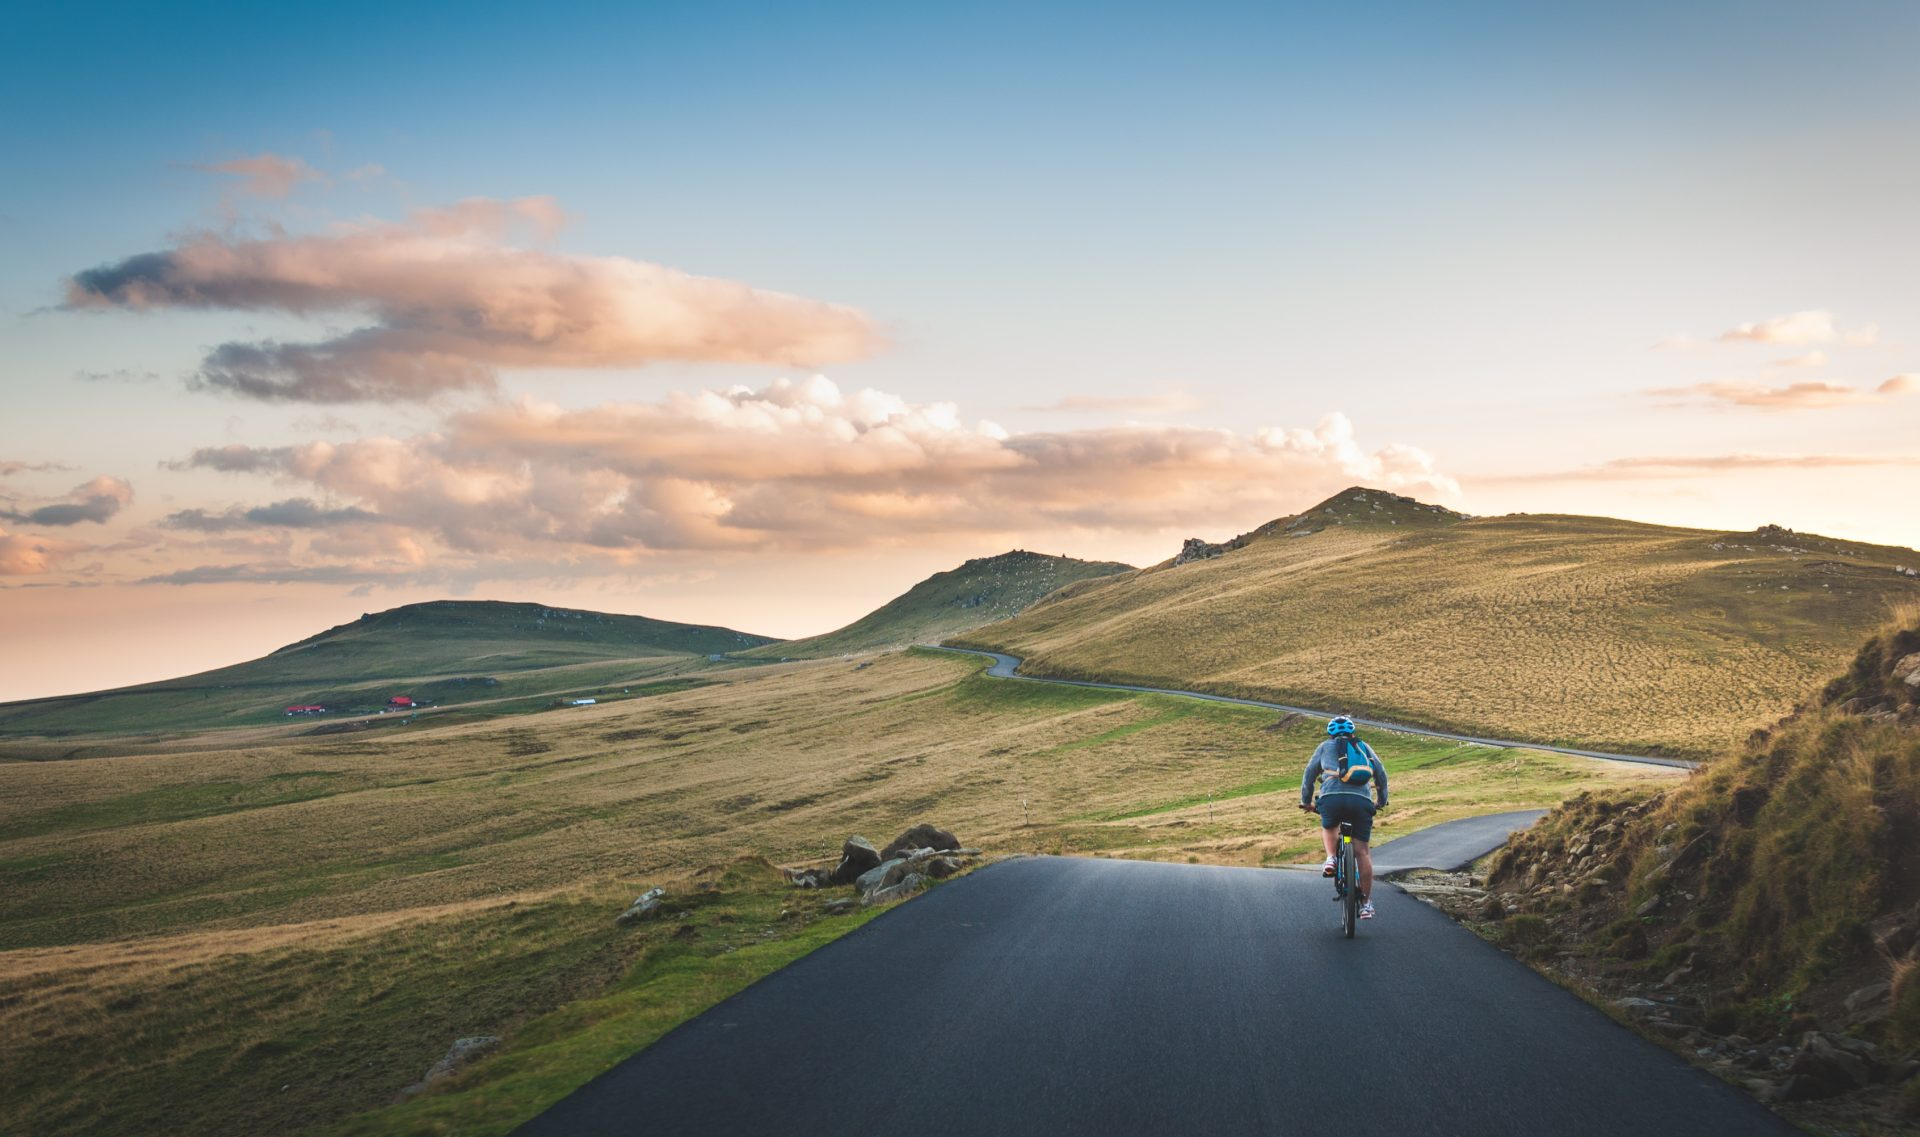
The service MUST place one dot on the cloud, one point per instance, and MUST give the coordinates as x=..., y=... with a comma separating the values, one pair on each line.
x=118, y=375
x=10, y=468
x=26, y=555
x=96, y=501
x=234, y=458
x=1810, y=395
x=803, y=465
x=451, y=302
x=265, y=175
x=1624, y=469
x=1809, y=359
x=1169, y=402
x=293, y=513
x=273, y=572
x=1815, y=325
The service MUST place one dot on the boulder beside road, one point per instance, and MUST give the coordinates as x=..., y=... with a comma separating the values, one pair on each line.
x=922, y=836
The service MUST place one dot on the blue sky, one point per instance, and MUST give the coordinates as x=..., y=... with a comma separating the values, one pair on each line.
x=1463, y=227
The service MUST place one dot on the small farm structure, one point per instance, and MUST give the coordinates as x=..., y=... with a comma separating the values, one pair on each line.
x=581, y=702
x=312, y=709
x=400, y=703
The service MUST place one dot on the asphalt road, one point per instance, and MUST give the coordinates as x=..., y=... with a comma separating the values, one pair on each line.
x=1008, y=667
x=1053, y=996
x=1454, y=845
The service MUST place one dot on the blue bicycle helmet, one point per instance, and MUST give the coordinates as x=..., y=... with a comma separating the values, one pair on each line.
x=1340, y=724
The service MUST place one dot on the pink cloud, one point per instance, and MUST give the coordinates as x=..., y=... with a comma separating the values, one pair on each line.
x=1810, y=395
x=450, y=303
x=1812, y=326
x=27, y=555
x=806, y=466
x=266, y=175
x=1700, y=465
x=95, y=501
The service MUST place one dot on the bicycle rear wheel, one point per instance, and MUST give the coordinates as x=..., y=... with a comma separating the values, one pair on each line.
x=1350, y=888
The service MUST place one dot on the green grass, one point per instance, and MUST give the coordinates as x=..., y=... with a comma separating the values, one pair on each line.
x=182, y=938
x=1410, y=752
x=320, y=1035
x=979, y=592
x=181, y=802
x=557, y=1053
x=443, y=652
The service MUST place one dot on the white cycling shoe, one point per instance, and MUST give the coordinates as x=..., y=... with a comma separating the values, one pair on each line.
x=1327, y=869
x=1366, y=910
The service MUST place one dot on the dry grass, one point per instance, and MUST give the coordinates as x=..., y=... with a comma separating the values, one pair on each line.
x=1559, y=629
x=783, y=762
x=287, y=911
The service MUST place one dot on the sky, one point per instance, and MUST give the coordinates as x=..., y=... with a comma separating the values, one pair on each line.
x=756, y=314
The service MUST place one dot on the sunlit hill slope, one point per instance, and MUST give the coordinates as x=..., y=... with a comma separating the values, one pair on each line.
x=1552, y=628
x=981, y=591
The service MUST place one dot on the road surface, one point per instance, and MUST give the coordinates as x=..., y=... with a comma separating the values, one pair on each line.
x=1454, y=845
x=1054, y=996
x=1007, y=667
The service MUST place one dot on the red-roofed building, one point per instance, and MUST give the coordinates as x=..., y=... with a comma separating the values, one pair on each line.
x=307, y=710
x=400, y=702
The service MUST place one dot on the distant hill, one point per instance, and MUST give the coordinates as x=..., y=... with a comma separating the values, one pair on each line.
x=445, y=651
x=1555, y=628
x=981, y=591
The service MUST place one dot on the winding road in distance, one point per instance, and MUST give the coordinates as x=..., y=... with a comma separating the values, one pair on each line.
x=1048, y=996
x=1007, y=667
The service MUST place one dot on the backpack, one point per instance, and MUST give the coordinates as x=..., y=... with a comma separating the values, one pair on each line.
x=1355, y=770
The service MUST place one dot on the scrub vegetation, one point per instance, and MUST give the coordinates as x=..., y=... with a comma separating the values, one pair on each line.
x=1771, y=900
x=186, y=930
x=1571, y=630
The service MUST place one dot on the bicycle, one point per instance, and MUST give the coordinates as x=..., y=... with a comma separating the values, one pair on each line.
x=1346, y=881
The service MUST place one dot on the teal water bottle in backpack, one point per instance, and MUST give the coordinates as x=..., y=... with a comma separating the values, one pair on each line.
x=1355, y=769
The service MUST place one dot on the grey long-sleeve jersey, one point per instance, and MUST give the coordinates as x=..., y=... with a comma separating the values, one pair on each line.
x=1325, y=765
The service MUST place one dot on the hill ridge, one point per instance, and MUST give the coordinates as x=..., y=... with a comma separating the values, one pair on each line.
x=981, y=590
x=1584, y=631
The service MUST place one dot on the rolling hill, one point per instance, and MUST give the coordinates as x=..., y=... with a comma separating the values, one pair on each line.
x=981, y=591
x=1580, y=630
x=446, y=651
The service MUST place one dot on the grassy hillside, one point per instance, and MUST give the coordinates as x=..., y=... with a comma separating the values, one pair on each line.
x=1561, y=629
x=1764, y=898
x=443, y=652
x=981, y=591
x=328, y=913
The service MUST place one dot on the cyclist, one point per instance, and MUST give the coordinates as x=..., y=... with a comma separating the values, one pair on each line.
x=1342, y=766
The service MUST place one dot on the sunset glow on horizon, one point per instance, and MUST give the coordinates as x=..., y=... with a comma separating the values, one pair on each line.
x=754, y=315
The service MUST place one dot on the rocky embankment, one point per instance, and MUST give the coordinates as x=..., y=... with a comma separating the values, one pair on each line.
x=1763, y=918
x=909, y=862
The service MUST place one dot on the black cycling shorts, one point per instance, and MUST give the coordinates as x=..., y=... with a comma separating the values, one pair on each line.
x=1357, y=808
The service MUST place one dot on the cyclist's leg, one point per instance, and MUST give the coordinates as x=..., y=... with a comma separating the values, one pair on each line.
x=1362, y=817
x=1329, y=826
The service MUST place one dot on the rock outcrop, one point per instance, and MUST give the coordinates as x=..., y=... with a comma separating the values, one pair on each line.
x=463, y=1052
x=644, y=905
x=856, y=857
x=922, y=836
x=1197, y=550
